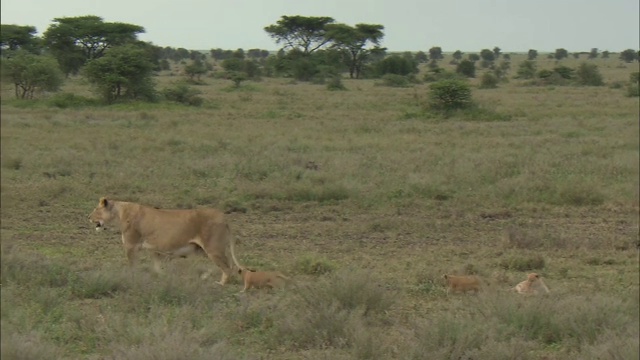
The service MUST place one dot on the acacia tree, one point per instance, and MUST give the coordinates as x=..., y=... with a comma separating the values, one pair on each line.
x=487, y=55
x=302, y=33
x=31, y=72
x=421, y=57
x=497, y=52
x=14, y=37
x=532, y=54
x=75, y=40
x=435, y=53
x=123, y=72
x=629, y=55
x=560, y=54
x=352, y=41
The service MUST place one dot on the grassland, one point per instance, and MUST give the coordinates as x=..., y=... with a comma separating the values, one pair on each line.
x=398, y=198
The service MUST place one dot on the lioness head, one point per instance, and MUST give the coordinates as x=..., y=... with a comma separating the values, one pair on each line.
x=102, y=214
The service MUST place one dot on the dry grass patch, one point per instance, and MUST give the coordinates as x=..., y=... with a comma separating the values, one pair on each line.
x=404, y=196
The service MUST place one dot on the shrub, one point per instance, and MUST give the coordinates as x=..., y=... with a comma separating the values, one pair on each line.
x=440, y=74
x=123, y=72
x=312, y=265
x=65, y=100
x=549, y=77
x=354, y=289
x=30, y=73
x=396, y=64
x=450, y=95
x=588, y=74
x=237, y=77
x=489, y=81
x=466, y=68
x=564, y=71
x=395, y=80
x=526, y=70
x=335, y=311
x=183, y=94
x=523, y=263
x=336, y=84
x=28, y=346
x=633, y=90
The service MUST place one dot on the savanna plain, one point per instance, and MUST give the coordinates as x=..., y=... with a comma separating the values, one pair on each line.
x=363, y=197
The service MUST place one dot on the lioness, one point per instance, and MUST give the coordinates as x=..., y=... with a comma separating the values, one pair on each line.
x=532, y=286
x=261, y=279
x=169, y=232
x=462, y=283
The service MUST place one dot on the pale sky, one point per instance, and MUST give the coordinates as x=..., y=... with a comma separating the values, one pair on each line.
x=410, y=25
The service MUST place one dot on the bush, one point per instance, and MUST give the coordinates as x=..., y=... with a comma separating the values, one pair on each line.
x=66, y=100
x=336, y=84
x=395, y=80
x=440, y=74
x=523, y=263
x=564, y=71
x=398, y=65
x=466, y=68
x=633, y=90
x=30, y=73
x=311, y=265
x=549, y=77
x=588, y=74
x=489, y=81
x=183, y=94
x=336, y=311
x=124, y=72
x=526, y=70
x=450, y=95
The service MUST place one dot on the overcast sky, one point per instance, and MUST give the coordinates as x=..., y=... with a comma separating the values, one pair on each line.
x=467, y=25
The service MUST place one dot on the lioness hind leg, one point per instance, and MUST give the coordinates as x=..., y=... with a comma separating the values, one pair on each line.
x=223, y=264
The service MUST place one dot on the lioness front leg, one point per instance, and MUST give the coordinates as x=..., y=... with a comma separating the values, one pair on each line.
x=132, y=255
x=157, y=263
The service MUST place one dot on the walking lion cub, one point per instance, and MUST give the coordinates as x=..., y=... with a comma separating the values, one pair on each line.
x=262, y=279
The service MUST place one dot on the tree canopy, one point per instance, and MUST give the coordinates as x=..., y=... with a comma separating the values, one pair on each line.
x=304, y=33
x=629, y=55
x=353, y=41
x=14, y=37
x=90, y=33
x=123, y=72
x=30, y=72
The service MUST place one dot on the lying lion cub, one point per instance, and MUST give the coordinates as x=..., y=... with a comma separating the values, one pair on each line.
x=462, y=283
x=262, y=279
x=532, y=286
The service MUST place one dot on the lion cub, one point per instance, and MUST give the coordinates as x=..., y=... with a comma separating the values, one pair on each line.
x=262, y=279
x=532, y=286
x=462, y=283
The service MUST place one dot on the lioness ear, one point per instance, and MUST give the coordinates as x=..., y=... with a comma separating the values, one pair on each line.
x=103, y=202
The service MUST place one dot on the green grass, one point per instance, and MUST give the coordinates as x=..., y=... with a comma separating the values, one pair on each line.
x=538, y=178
